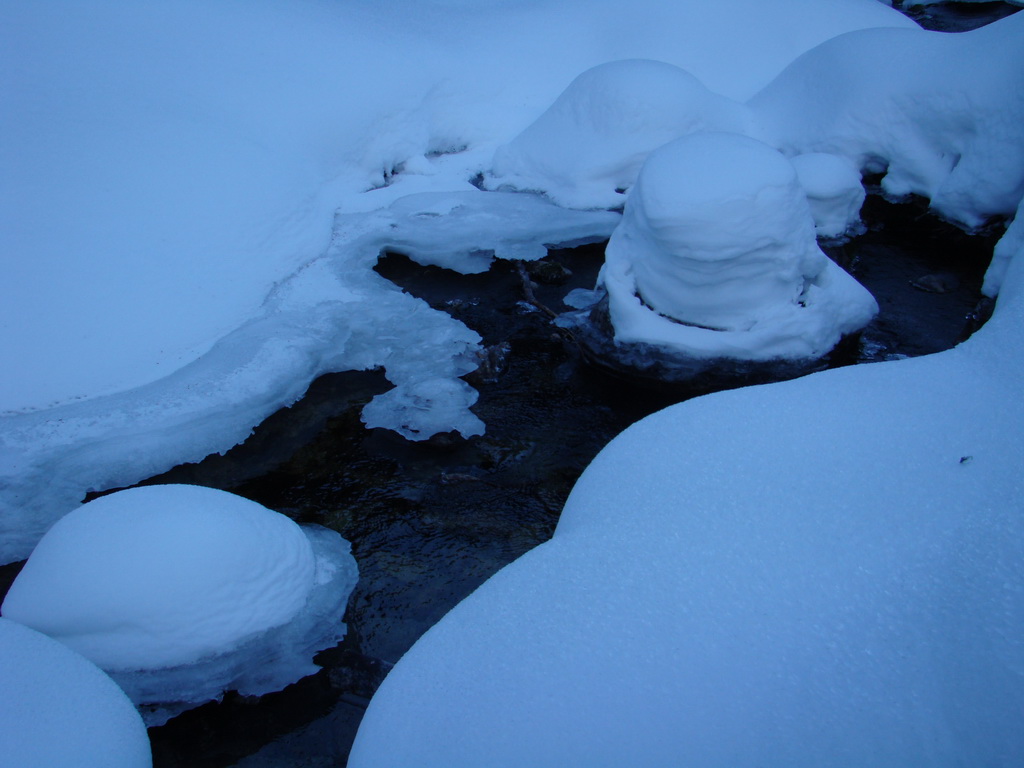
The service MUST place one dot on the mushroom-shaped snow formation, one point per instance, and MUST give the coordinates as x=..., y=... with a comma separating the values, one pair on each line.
x=716, y=258
x=58, y=708
x=181, y=592
x=587, y=148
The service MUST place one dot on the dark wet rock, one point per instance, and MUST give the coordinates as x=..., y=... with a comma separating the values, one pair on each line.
x=548, y=272
x=667, y=369
x=937, y=282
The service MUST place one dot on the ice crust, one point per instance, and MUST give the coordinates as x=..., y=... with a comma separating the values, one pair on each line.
x=716, y=257
x=824, y=571
x=59, y=709
x=181, y=592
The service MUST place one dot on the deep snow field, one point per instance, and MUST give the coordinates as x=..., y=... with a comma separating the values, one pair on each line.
x=194, y=196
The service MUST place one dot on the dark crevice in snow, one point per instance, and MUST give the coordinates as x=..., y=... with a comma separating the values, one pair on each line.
x=956, y=17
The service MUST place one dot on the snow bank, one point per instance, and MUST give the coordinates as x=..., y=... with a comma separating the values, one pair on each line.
x=825, y=571
x=941, y=114
x=182, y=592
x=58, y=708
x=716, y=257
x=586, y=150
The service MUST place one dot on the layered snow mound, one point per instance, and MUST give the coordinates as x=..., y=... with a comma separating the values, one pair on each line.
x=586, y=150
x=825, y=571
x=58, y=708
x=181, y=592
x=716, y=257
x=834, y=191
x=941, y=114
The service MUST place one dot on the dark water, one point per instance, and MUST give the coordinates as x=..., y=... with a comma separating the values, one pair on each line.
x=958, y=17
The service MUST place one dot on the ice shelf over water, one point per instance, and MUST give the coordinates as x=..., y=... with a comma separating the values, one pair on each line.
x=181, y=592
x=59, y=709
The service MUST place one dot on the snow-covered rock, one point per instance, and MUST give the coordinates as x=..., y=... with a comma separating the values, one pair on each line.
x=586, y=150
x=941, y=114
x=181, y=592
x=716, y=257
x=834, y=191
x=59, y=709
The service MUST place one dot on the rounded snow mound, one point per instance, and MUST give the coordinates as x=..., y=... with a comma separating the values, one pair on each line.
x=716, y=257
x=585, y=151
x=181, y=592
x=834, y=191
x=60, y=709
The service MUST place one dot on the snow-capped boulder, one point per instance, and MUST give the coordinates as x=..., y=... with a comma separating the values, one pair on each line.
x=58, y=708
x=834, y=192
x=585, y=151
x=716, y=258
x=181, y=592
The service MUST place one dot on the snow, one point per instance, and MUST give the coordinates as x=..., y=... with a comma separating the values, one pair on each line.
x=585, y=151
x=889, y=100
x=834, y=191
x=60, y=709
x=716, y=257
x=824, y=571
x=181, y=592
x=173, y=169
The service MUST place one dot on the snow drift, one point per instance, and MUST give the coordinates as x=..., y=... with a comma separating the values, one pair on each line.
x=58, y=708
x=940, y=114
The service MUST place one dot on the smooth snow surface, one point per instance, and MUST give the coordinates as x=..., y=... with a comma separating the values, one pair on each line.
x=181, y=592
x=826, y=571
x=59, y=709
x=585, y=151
x=834, y=191
x=942, y=114
x=716, y=257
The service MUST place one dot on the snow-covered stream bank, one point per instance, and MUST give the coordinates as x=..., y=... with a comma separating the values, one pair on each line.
x=430, y=522
x=305, y=306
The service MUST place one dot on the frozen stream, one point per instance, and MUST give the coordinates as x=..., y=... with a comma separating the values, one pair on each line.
x=431, y=521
